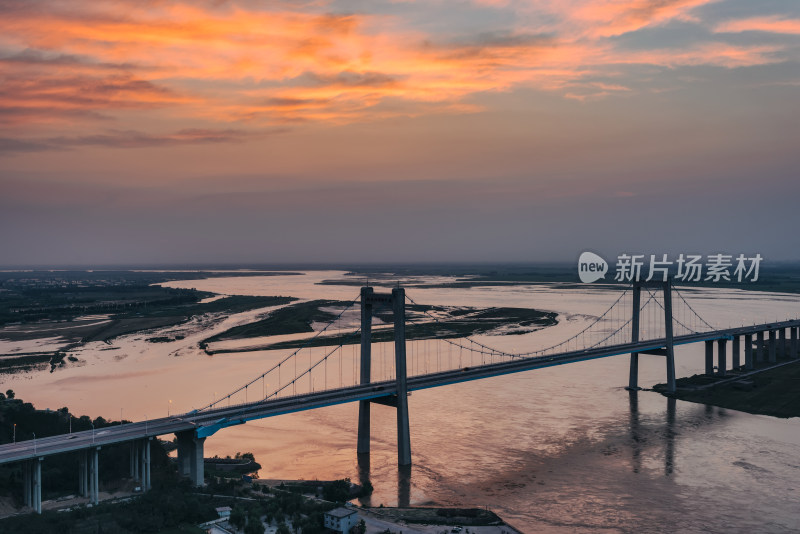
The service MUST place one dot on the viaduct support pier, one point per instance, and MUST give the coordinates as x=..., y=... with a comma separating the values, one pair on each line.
x=770, y=345
x=32, y=475
x=190, y=456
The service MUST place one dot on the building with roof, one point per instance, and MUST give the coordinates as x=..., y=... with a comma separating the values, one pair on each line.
x=341, y=519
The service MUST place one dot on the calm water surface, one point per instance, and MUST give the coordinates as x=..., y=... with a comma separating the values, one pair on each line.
x=563, y=449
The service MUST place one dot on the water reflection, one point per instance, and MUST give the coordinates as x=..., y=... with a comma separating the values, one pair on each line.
x=403, y=481
x=404, y=486
x=669, y=455
x=363, y=460
x=638, y=439
x=635, y=430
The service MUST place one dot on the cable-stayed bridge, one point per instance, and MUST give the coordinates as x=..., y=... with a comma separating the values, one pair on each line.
x=339, y=365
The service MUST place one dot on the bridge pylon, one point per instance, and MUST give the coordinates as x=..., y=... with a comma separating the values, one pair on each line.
x=668, y=348
x=397, y=300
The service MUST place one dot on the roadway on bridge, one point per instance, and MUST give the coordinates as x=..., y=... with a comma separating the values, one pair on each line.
x=209, y=421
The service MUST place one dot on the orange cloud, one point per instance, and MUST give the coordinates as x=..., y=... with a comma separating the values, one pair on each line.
x=48, y=97
x=760, y=24
x=717, y=54
x=614, y=17
x=200, y=64
x=276, y=65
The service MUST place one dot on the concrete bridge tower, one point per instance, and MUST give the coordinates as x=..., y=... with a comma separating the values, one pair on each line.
x=668, y=348
x=397, y=301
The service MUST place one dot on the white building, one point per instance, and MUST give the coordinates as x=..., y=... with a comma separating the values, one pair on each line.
x=341, y=519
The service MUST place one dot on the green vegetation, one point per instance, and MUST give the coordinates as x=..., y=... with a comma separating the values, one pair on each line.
x=465, y=275
x=443, y=516
x=12, y=364
x=232, y=468
x=167, y=508
x=770, y=392
x=172, y=506
x=27, y=297
x=780, y=277
x=170, y=315
x=80, y=307
x=277, y=505
x=63, y=303
x=339, y=491
x=294, y=319
x=129, y=307
x=20, y=421
x=453, y=322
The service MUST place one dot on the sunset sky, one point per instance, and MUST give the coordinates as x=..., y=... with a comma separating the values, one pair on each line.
x=220, y=131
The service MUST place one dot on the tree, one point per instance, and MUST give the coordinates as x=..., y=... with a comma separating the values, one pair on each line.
x=10, y=393
x=360, y=528
x=366, y=489
x=238, y=517
x=254, y=525
x=283, y=528
x=337, y=491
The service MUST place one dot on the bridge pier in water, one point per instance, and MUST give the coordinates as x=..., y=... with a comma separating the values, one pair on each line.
x=668, y=350
x=366, y=369
x=793, y=343
x=633, y=379
x=397, y=299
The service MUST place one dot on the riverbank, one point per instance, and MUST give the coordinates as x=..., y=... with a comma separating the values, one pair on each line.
x=782, y=278
x=382, y=519
x=426, y=322
x=454, y=517
x=773, y=390
x=46, y=315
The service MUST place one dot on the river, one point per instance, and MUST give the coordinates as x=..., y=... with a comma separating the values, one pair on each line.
x=562, y=449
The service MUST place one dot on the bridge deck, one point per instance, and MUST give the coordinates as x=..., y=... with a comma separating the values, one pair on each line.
x=208, y=422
